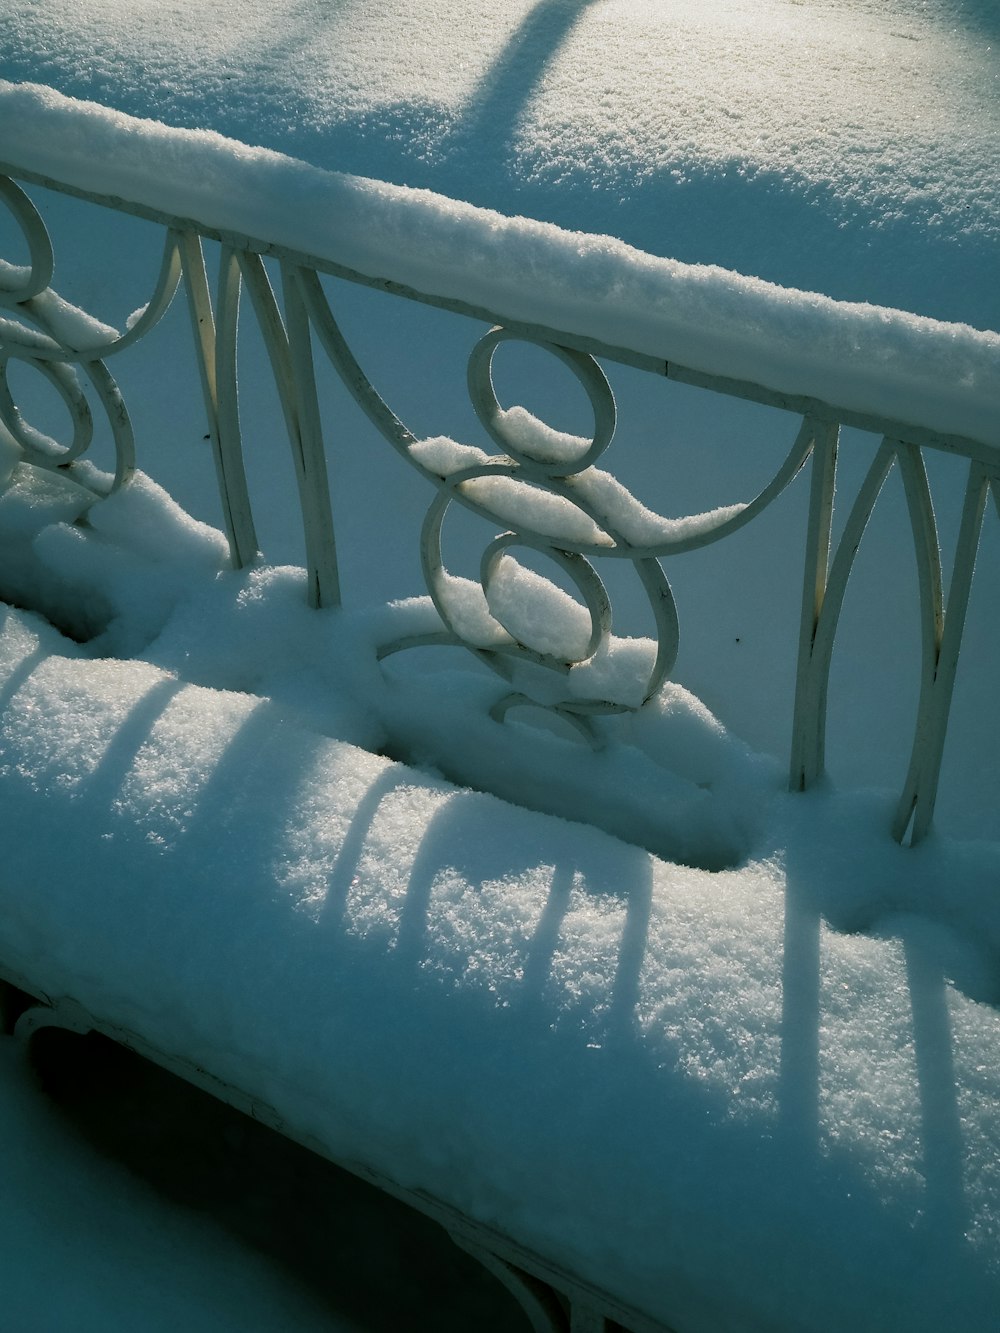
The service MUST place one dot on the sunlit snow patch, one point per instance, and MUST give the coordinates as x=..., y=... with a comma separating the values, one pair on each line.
x=143, y=578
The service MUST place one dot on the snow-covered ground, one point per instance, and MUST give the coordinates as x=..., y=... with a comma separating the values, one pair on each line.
x=843, y=146
x=846, y=148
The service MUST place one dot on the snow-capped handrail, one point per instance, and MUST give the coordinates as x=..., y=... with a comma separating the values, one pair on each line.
x=916, y=382
x=874, y=363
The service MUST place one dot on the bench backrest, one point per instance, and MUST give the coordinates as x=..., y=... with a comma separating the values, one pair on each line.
x=912, y=383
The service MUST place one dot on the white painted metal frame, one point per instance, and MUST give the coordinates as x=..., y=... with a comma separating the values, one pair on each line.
x=584, y=534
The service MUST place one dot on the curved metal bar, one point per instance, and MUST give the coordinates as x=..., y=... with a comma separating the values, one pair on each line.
x=37, y=276
x=809, y=738
x=535, y=1297
x=795, y=460
x=152, y=312
x=218, y=358
x=624, y=547
x=575, y=718
x=346, y=365
x=45, y=348
x=307, y=449
x=432, y=563
x=563, y=478
x=653, y=580
x=581, y=571
x=661, y=600
x=65, y=1014
x=931, y=737
x=290, y=354
x=570, y=490
x=119, y=420
x=808, y=720
x=433, y=639
x=39, y=448
x=591, y=378
x=928, y=559
x=155, y=308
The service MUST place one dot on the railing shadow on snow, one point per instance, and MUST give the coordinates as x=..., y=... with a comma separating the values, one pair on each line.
x=505, y=90
x=597, y=1059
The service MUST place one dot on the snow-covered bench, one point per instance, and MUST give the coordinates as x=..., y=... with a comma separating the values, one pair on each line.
x=712, y=1056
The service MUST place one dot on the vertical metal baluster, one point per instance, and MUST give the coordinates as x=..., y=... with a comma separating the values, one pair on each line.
x=216, y=353
x=814, y=672
x=934, y=724
x=295, y=381
x=808, y=725
x=928, y=558
x=311, y=466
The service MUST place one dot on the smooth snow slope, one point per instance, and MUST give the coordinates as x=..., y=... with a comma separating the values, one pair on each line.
x=843, y=146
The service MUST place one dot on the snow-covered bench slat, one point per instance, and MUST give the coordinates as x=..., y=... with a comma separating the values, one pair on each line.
x=681, y=1088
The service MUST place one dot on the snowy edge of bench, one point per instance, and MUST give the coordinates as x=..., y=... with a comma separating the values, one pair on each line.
x=680, y=1086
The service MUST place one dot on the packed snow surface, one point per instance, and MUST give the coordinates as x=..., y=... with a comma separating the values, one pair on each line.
x=847, y=147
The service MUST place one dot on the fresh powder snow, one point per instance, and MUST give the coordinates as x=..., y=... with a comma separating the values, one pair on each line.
x=767, y=1030
x=846, y=147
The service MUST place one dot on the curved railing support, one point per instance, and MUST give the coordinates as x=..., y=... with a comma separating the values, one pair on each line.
x=544, y=492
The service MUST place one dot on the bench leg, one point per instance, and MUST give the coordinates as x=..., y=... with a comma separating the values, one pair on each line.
x=535, y=1297
x=65, y=1014
x=547, y=1310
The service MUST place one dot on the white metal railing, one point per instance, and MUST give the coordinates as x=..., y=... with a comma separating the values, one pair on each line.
x=543, y=490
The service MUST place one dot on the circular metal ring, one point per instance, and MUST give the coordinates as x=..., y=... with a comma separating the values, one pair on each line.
x=39, y=447
x=494, y=418
x=583, y=575
x=19, y=282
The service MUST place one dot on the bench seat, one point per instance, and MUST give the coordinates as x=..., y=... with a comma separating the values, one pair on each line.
x=686, y=1089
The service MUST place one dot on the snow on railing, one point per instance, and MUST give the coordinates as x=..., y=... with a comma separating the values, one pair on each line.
x=915, y=382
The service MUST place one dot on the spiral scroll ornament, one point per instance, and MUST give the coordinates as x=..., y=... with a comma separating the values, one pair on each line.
x=68, y=348
x=538, y=486
x=547, y=490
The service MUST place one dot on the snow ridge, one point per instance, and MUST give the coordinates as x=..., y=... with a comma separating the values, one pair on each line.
x=886, y=363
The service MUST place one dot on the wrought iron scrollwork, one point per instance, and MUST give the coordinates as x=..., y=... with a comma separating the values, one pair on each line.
x=543, y=492
x=67, y=346
x=547, y=491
